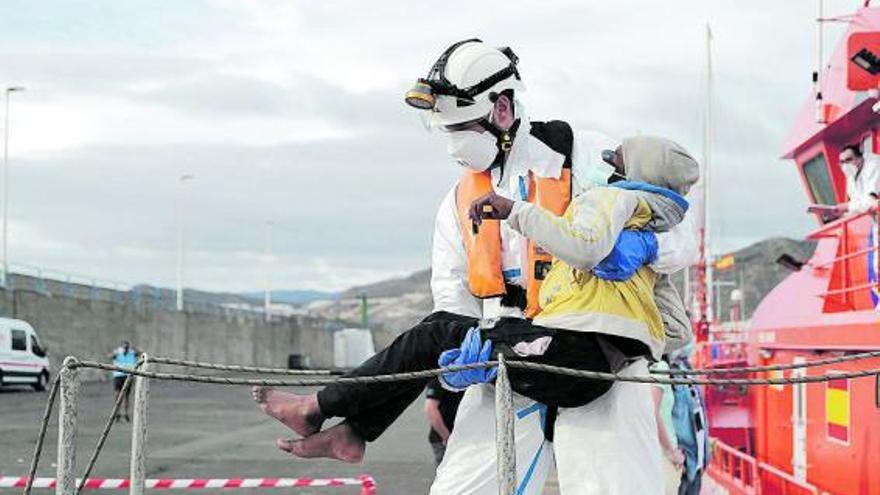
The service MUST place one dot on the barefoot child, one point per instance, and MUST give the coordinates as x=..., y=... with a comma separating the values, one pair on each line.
x=586, y=322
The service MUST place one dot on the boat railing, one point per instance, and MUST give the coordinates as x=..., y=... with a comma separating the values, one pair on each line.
x=741, y=473
x=737, y=471
x=849, y=281
x=777, y=482
x=831, y=229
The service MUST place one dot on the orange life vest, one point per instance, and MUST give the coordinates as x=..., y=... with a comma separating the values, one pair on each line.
x=483, y=246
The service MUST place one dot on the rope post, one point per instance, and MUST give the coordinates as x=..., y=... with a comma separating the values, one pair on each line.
x=504, y=434
x=66, y=472
x=368, y=485
x=138, y=474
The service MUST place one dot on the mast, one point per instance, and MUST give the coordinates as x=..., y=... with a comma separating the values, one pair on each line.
x=817, y=75
x=707, y=313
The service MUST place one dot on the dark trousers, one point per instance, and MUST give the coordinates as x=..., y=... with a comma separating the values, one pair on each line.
x=371, y=408
x=439, y=450
x=688, y=487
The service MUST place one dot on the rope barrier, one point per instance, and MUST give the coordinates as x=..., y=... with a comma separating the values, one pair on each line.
x=240, y=368
x=44, y=425
x=719, y=371
x=367, y=483
x=675, y=377
x=305, y=382
x=417, y=375
x=775, y=367
x=594, y=375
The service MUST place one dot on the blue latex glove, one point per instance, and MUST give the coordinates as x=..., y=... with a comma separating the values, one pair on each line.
x=633, y=249
x=472, y=350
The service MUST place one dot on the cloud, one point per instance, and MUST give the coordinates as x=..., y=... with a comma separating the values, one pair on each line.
x=292, y=112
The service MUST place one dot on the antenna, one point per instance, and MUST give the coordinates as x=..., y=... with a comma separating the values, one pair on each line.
x=817, y=74
x=706, y=309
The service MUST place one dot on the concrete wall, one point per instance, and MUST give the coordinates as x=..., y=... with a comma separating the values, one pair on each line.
x=89, y=329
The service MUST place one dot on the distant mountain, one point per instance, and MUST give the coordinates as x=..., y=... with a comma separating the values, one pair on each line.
x=755, y=272
x=294, y=297
x=396, y=304
x=193, y=295
x=419, y=281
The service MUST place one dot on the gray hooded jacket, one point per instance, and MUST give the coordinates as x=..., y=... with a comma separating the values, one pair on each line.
x=589, y=230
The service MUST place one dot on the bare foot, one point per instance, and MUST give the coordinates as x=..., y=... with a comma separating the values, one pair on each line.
x=300, y=413
x=338, y=442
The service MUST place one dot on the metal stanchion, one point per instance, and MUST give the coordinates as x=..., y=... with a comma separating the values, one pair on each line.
x=504, y=433
x=138, y=472
x=66, y=472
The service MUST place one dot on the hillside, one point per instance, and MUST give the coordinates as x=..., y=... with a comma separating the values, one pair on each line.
x=756, y=272
x=418, y=281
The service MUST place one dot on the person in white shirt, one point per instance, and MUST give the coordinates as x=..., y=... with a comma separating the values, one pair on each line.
x=862, y=181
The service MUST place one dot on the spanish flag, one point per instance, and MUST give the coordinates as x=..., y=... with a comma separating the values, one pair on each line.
x=837, y=415
x=725, y=262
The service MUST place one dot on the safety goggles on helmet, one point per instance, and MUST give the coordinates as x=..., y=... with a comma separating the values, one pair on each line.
x=470, y=125
x=424, y=93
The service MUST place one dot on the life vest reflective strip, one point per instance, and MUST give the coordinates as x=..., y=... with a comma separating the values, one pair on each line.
x=553, y=195
x=483, y=247
x=485, y=277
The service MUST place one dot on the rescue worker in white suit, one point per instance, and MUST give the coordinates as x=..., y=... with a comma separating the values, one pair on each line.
x=619, y=425
x=489, y=133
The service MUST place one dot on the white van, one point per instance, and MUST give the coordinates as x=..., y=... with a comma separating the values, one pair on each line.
x=351, y=347
x=22, y=359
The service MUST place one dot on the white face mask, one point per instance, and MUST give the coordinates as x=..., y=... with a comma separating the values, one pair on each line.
x=472, y=149
x=850, y=169
x=598, y=174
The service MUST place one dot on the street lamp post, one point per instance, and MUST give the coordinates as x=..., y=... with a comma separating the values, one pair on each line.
x=9, y=90
x=179, y=214
x=268, y=295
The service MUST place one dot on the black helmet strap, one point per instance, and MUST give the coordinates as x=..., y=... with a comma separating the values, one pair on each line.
x=436, y=77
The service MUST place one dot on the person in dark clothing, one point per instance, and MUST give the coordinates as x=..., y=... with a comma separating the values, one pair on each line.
x=369, y=410
x=440, y=408
x=578, y=340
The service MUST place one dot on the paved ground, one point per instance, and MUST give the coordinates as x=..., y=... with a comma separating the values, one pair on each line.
x=208, y=431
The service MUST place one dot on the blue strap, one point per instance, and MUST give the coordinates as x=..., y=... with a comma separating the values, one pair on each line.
x=523, y=189
x=537, y=406
x=632, y=185
x=541, y=409
x=511, y=273
x=531, y=471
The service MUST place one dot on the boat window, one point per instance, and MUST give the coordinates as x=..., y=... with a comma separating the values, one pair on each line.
x=19, y=340
x=819, y=180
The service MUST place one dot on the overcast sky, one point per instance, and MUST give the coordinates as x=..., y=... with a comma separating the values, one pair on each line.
x=291, y=112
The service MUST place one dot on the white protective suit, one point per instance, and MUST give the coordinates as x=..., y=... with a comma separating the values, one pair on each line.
x=598, y=446
x=862, y=189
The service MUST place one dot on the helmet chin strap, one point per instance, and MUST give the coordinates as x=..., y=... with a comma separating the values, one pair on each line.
x=503, y=141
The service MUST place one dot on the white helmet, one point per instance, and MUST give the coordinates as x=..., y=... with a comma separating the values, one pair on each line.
x=464, y=82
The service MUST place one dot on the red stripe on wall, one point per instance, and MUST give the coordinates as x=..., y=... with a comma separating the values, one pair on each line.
x=838, y=432
x=841, y=384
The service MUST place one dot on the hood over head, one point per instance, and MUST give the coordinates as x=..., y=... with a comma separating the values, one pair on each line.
x=660, y=162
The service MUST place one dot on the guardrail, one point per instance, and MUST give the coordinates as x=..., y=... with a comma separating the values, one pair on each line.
x=741, y=473
x=735, y=470
x=849, y=230
x=56, y=282
x=777, y=482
